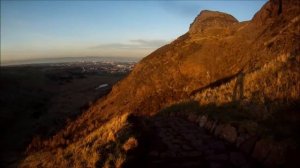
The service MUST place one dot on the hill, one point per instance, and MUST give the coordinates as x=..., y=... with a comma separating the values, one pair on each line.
x=222, y=65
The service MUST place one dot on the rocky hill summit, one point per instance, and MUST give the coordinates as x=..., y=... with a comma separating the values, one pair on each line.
x=245, y=74
x=208, y=20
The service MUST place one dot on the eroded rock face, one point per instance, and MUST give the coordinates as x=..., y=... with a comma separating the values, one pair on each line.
x=208, y=20
x=274, y=9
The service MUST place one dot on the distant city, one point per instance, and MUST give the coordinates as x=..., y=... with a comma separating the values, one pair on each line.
x=86, y=67
x=90, y=59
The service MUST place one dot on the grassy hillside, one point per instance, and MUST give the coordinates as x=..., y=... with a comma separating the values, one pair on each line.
x=245, y=74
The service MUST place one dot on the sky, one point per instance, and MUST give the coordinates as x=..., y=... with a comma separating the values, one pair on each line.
x=50, y=29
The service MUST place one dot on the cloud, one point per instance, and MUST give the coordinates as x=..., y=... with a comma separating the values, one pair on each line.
x=133, y=44
x=149, y=43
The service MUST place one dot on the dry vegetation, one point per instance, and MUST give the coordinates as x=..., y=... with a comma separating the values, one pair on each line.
x=96, y=149
x=269, y=104
x=276, y=80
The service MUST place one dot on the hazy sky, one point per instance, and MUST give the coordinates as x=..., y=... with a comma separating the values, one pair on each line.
x=43, y=29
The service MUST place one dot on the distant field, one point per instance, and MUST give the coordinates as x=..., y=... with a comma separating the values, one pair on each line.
x=38, y=100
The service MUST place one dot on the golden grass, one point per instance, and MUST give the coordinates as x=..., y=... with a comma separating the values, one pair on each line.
x=270, y=102
x=83, y=153
x=277, y=80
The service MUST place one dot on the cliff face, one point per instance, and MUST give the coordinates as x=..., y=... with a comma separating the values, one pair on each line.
x=216, y=47
x=209, y=20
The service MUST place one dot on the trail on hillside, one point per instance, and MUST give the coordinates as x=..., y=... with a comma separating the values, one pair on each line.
x=180, y=143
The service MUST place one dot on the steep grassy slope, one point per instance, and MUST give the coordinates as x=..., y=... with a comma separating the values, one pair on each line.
x=215, y=52
x=84, y=153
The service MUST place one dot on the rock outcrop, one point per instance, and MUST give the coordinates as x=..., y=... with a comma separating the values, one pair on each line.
x=211, y=20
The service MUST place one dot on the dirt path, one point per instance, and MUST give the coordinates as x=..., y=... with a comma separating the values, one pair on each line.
x=179, y=143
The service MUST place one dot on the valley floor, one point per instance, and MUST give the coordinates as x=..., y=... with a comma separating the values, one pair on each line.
x=37, y=101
